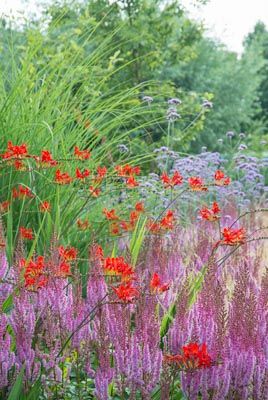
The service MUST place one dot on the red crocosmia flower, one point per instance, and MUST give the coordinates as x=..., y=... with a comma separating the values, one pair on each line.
x=64, y=270
x=173, y=359
x=95, y=192
x=4, y=206
x=62, y=178
x=21, y=192
x=170, y=182
x=81, y=154
x=46, y=159
x=110, y=214
x=45, y=206
x=193, y=356
x=118, y=266
x=139, y=206
x=210, y=214
x=196, y=183
x=14, y=151
x=233, y=237
x=127, y=170
x=196, y=354
x=126, y=226
x=114, y=228
x=156, y=284
x=153, y=226
x=131, y=182
x=130, y=225
x=135, y=171
x=67, y=253
x=33, y=272
x=98, y=252
x=133, y=217
x=220, y=179
x=19, y=165
x=26, y=233
x=126, y=292
x=101, y=172
x=82, y=225
x=215, y=208
x=168, y=220
x=82, y=175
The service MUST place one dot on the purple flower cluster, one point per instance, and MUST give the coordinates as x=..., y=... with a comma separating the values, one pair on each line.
x=248, y=185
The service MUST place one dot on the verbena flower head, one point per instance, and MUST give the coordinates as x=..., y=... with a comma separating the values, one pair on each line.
x=242, y=146
x=207, y=104
x=147, y=99
x=123, y=148
x=175, y=101
x=172, y=114
x=230, y=134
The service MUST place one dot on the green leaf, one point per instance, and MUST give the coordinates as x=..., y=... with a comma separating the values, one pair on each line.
x=7, y=304
x=35, y=391
x=16, y=390
x=111, y=389
x=196, y=286
x=137, y=240
x=166, y=322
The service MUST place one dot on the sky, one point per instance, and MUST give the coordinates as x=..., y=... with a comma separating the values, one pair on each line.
x=227, y=20
x=230, y=20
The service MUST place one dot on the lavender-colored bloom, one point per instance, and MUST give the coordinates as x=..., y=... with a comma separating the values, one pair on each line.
x=172, y=114
x=148, y=99
x=123, y=148
x=164, y=148
x=7, y=356
x=207, y=104
x=242, y=135
x=242, y=146
x=175, y=101
x=230, y=134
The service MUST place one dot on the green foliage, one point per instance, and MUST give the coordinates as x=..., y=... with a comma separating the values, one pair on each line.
x=167, y=321
x=16, y=390
x=232, y=84
x=137, y=240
